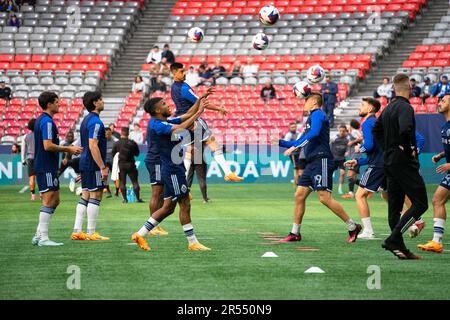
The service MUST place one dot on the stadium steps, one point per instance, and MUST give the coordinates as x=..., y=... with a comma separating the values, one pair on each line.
x=387, y=67
x=113, y=106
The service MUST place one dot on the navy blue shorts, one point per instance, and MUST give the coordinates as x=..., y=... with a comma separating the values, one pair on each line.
x=446, y=181
x=200, y=133
x=154, y=171
x=318, y=175
x=92, y=181
x=175, y=185
x=373, y=179
x=47, y=181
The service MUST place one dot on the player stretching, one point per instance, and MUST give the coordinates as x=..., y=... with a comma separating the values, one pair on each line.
x=94, y=171
x=46, y=163
x=373, y=179
x=442, y=193
x=184, y=98
x=318, y=172
x=167, y=143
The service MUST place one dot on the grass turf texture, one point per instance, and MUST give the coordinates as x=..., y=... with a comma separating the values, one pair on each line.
x=233, y=269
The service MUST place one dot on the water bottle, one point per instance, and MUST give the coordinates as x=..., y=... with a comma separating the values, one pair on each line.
x=129, y=194
x=133, y=196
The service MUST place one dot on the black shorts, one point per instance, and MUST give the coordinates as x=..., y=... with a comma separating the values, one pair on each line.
x=31, y=172
x=373, y=179
x=74, y=163
x=339, y=164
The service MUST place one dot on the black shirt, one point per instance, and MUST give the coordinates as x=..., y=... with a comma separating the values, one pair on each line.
x=169, y=56
x=128, y=149
x=159, y=87
x=394, y=130
x=268, y=93
x=5, y=93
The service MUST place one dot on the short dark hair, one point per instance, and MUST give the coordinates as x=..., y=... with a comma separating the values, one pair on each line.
x=150, y=105
x=292, y=124
x=355, y=124
x=318, y=96
x=30, y=124
x=45, y=98
x=112, y=124
x=374, y=103
x=176, y=66
x=108, y=129
x=125, y=131
x=444, y=77
x=387, y=78
x=89, y=98
x=136, y=124
x=166, y=45
x=343, y=126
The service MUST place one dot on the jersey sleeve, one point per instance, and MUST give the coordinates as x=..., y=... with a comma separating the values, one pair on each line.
x=362, y=161
x=175, y=120
x=162, y=128
x=368, y=137
x=317, y=119
x=420, y=141
x=47, y=129
x=94, y=128
x=188, y=94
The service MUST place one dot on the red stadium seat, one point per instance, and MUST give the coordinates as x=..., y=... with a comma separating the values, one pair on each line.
x=22, y=58
x=38, y=58
x=6, y=58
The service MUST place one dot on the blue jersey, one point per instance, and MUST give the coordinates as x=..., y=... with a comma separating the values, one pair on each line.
x=164, y=142
x=183, y=96
x=445, y=134
x=315, y=139
x=45, y=129
x=420, y=142
x=370, y=147
x=92, y=128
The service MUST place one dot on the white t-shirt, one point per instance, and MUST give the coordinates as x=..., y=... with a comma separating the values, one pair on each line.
x=192, y=79
x=250, y=70
x=154, y=57
x=138, y=87
x=137, y=137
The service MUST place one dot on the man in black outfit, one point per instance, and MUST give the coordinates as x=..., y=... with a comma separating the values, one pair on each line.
x=128, y=149
x=395, y=133
x=201, y=169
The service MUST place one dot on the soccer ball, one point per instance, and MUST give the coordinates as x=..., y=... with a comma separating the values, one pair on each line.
x=260, y=41
x=269, y=15
x=195, y=34
x=79, y=191
x=302, y=89
x=315, y=74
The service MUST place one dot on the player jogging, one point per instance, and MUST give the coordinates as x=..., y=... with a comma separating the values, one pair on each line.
x=46, y=163
x=94, y=171
x=373, y=180
x=184, y=98
x=165, y=136
x=442, y=193
x=318, y=172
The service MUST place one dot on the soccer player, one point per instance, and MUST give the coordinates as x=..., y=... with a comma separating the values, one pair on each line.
x=339, y=149
x=27, y=153
x=373, y=180
x=46, y=164
x=442, y=193
x=352, y=172
x=94, y=171
x=184, y=98
x=318, y=172
x=394, y=132
x=167, y=143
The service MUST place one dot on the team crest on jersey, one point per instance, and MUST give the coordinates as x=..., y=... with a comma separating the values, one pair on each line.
x=183, y=188
x=318, y=179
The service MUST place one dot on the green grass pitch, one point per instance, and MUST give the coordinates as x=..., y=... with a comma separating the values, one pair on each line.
x=234, y=269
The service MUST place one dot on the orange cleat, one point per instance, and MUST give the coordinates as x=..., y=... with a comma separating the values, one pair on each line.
x=140, y=241
x=78, y=236
x=431, y=246
x=96, y=237
x=158, y=231
x=348, y=196
x=197, y=247
x=233, y=177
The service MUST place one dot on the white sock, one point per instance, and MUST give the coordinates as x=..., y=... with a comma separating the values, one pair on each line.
x=220, y=159
x=295, y=229
x=351, y=225
x=147, y=227
x=80, y=214
x=340, y=188
x=350, y=192
x=93, y=209
x=187, y=164
x=44, y=219
x=367, y=224
x=189, y=233
x=438, y=229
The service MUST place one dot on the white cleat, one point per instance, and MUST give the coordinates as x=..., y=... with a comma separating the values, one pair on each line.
x=49, y=243
x=72, y=185
x=35, y=240
x=366, y=235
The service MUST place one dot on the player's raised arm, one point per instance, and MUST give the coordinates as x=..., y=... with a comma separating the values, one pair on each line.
x=316, y=126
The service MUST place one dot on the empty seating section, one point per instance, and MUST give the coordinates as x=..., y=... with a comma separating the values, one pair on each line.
x=54, y=50
x=441, y=32
x=15, y=115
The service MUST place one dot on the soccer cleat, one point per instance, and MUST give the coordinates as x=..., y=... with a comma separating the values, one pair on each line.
x=33, y=197
x=399, y=251
x=291, y=238
x=49, y=243
x=96, y=237
x=233, y=177
x=348, y=196
x=197, y=247
x=140, y=241
x=370, y=195
x=78, y=236
x=158, y=231
x=366, y=235
x=431, y=246
x=109, y=195
x=35, y=240
x=352, y=235
x=72, y=185
x=416, y=228
x=140, y=201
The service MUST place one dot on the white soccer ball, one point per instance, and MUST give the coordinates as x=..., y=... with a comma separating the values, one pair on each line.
x=79, y=191
x=315, y=74
x=269, y=15
x=302, y=89
x=196, y=34
x=260, y=41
